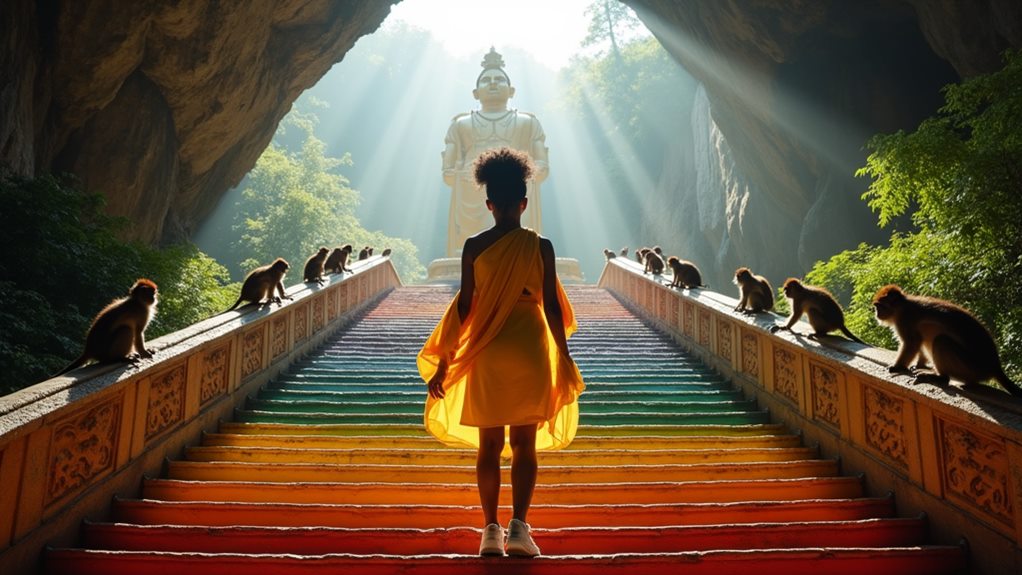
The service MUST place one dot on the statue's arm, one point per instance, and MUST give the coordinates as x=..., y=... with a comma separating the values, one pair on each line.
x=451, y=153
x=539, y=152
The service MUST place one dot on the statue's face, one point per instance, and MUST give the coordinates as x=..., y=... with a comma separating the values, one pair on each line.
x=493, y=85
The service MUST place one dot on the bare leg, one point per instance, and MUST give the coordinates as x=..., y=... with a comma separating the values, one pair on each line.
x=523, y=468
x=491, y=443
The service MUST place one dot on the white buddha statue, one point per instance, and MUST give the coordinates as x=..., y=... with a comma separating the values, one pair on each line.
x=492, y=126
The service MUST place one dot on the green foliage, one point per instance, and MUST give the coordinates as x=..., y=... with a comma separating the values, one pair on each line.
x=63, y=262
x=609, y=20
x=295, y=202
x=959, y=176
x=631, y=105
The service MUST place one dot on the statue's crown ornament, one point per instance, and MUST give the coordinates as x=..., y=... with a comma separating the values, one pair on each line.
x=493, y=60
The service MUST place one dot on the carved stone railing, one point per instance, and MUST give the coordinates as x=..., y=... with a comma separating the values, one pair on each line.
x=953, y=454
x=69, y=444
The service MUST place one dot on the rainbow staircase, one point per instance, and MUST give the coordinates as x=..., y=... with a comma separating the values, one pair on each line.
x=328, y=470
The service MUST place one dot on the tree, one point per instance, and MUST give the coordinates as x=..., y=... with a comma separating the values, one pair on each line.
x=295, y=202
x=959, y=178
x=608, y=20
x=63, y=262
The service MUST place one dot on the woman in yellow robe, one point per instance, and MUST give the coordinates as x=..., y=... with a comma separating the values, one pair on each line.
x=499, y=358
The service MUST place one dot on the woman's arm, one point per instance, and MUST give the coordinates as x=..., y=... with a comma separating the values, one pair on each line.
x=468, y=285
x=551, y=305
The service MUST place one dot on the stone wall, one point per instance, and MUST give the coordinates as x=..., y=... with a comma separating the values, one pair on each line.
x=70, y=444
x=952, y=454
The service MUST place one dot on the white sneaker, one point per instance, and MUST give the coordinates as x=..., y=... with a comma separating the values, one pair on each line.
x=519, y=541
x=493, y=540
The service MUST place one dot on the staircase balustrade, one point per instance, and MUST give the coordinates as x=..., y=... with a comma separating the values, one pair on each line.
x=70, y=444
x=951, y=453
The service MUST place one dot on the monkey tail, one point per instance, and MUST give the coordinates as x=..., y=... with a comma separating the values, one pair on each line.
x=851, y=335
x=1012, y=387
x=73, y=365
x=240, y=299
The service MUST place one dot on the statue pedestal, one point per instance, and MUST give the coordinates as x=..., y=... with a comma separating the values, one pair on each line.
x=448, y=270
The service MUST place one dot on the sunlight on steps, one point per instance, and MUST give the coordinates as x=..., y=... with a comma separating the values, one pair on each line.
x=329, y=468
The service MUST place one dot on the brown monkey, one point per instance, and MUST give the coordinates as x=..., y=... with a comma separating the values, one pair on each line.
x=386, y=253
x=609, y=254
x=370, y=251
x=686, y=274
x=825, y=315
x=640, y=255
x=654, y=263
x=659, y=251
x=118, y=332
x=756, y=292
x=314, y=266
x=364, y=254
x=624, y=252
x=959, y=346
x=337, y=261
x=260, y=283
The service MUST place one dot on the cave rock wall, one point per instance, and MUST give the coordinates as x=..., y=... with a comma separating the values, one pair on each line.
x=161, y=106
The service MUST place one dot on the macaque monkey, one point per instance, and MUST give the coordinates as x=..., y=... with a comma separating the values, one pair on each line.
x=756, y=292
x=370, y=251
x=386, y=253
x=659, y=251
x=825, y=315
x=609, y=254
x=118, y=332
x=337, y=261
x=654, y=263
x=624, y=252
x=364, y=253
x=314, y=266
x=686, y=274
x=640, y=255
x=260, y=283
x=959, y=346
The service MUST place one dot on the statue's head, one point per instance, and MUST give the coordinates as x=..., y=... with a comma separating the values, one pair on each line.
x=493, y=83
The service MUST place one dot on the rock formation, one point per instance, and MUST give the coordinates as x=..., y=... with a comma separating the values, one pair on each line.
x=163, y=106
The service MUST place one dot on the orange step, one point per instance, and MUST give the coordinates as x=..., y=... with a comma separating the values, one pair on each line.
x=464, y=540
x=467, y=494
x=425, y=516
x=831, y=561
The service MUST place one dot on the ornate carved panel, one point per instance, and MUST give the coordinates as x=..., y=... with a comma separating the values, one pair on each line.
x=166, y=405
x=214, y=373
x=690, y=319
x=278, y=337
x=301, y=322
x=704, y=328
x=825, y=386
x=724, y=346
x=675, y=311
x=786, y=374
x=331, y=305
x=343, y=298
x=974, y=470
x=750, y=353
x=317, y=313
x=252, y=351
x=885, y=424
x=83, y=448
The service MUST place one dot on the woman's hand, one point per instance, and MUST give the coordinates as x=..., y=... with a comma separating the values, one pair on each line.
x=436, y=383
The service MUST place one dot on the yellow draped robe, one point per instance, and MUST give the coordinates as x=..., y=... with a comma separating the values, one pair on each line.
x=504, y=367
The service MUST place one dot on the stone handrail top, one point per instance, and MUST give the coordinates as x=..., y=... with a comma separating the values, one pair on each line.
x=984, y=402
x=32, y=402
